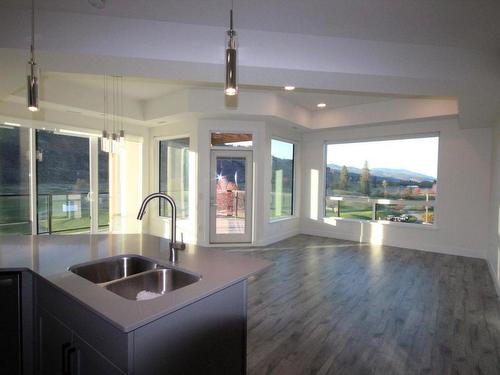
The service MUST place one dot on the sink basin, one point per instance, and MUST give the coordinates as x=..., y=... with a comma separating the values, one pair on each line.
x=130, y=275
x=151, y=284
x=115, y=268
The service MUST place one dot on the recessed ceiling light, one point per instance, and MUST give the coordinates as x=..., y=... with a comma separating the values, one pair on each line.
x=289, y=88
x=321, y=105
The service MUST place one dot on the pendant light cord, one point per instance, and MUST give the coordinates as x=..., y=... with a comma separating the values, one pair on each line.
x=105, y=102
x=32, y=48
x=231, y=16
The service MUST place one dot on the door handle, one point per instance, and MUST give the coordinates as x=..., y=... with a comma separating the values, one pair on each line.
x=71, y=352
x=65, y=359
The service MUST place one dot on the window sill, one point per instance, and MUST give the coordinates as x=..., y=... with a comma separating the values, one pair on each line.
x=280, y=219
x=329, y=220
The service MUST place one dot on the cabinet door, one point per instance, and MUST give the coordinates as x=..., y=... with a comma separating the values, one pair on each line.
x=84, y=360
x=54, y=341
x=10, y=324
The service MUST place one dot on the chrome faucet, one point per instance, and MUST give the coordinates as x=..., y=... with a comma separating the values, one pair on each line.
x=174, y=246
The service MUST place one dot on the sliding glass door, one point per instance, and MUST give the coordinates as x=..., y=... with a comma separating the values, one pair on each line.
x=103, y=189
x=67, y=184
x=15, y=217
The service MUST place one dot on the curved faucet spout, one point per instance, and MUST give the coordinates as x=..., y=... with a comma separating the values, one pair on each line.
x=171, y=201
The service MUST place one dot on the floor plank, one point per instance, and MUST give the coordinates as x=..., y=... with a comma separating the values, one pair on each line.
x=336, y=307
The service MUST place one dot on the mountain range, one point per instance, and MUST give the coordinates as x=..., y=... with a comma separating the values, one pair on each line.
x=399, y=174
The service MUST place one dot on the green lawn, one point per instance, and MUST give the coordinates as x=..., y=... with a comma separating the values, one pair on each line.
x=15, y=218
x=286, y=204
x=355, y=210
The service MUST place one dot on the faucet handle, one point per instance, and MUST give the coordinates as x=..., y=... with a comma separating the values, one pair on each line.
x=179, y=245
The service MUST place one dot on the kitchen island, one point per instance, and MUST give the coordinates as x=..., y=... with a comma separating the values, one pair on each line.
x=81, y=327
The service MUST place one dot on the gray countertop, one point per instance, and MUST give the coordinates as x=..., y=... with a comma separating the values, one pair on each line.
x=50, y=256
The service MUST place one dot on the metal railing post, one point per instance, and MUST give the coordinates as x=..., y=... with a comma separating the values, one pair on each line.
x=50, y=213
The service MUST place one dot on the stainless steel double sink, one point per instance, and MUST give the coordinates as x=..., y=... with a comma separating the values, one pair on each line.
x=134, y=277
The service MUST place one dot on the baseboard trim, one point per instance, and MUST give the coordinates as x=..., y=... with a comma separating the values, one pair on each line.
x=494, y=278
x=448, y=250
x=278, y=237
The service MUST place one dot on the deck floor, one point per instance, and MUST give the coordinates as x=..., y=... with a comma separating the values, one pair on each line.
x=336, y=307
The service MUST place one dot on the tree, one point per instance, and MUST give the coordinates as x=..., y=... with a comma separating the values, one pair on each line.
x=364, y=180
x=344, y=178
x=384, y=184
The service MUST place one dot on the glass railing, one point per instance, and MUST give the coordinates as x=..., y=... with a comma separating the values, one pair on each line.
x=15, y=214
x=418, y=211
x=56, y=213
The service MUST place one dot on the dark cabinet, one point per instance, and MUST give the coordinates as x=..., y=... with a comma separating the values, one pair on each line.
x=54, y=340
x=64, y=352
x=90, y=362
x=10, y=323
x=206, y=337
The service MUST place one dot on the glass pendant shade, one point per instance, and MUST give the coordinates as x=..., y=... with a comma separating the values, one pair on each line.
x=114, y=143
x=104, y=141
x=33, y=77
x=122, y=136
x=231, y=86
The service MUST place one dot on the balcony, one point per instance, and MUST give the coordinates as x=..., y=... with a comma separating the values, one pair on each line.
x=57, y=213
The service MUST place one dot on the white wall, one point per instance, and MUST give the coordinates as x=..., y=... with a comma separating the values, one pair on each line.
x=197, y=228
x=126, y=173
x=494, y=238
x=276, y=230
x=463, y=190
x=160, y=226
x=258, y=129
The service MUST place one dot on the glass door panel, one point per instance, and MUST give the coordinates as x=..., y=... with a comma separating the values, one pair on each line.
x=14, y=180
x=231, y=196
x=63, y=183
x=103, y=188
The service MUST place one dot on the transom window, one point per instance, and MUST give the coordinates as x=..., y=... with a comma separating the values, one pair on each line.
x=390, y=180
x=234, y=140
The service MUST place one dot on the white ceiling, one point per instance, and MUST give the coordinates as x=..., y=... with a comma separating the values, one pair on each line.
x=309, y=100
x=459, y=23
x=134, y=88
x=146, y=89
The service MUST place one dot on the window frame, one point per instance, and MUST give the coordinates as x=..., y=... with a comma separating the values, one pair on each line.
x=242, y=131
x=294, y=179
x=158, y=141
x=326, y=143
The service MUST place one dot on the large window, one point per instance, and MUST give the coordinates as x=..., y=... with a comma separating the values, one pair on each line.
x=283, y=157
x=390, y=180
x=174, y=175
x=14, y=180
x=63, y=182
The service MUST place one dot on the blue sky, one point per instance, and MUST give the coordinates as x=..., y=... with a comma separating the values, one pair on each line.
x=282, y=150
x=416, y=155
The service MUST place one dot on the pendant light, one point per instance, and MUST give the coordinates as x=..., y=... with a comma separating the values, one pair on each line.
x=105, y=138
x=33, y=72
x=231, y=87
x=113, y=135
x=121, y=134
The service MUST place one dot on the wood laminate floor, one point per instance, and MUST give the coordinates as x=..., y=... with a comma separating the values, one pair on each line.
x=336, y=307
